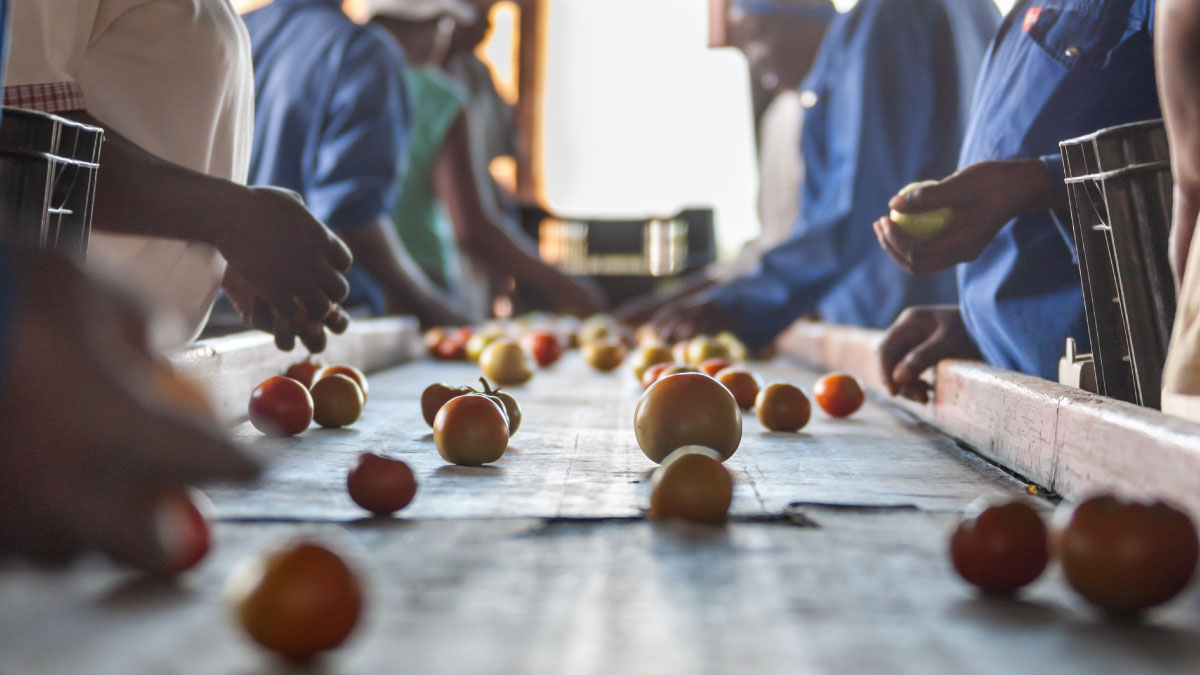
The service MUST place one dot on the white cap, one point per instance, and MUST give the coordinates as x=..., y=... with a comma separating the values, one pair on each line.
x=422, y=10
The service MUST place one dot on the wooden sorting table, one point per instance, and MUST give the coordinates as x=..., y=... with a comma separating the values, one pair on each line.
x=834, y=561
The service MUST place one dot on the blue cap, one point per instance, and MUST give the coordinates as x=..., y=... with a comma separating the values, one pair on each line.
x=811, y=10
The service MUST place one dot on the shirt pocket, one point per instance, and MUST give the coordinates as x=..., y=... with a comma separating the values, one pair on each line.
x=1079, y=35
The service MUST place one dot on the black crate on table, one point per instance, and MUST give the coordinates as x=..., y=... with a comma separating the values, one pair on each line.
x=48, y=168
x=1119, y=189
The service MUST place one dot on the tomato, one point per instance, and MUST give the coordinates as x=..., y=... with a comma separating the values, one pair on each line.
x=1125, y=557
x=782, y=407
x=298, y=601
x=603, y=355
x=692, y=484
x=839, y=395
x=337, y=401
x=677, y=368
x=471, y=430
x=381, y=485
x=304, y=371
x=743, y=384
x=433, y=337
x=508, y=403
x=351, y=372
x=703, y=348
x=1000, y=547
x=181, y=518
x=652, y=373
x=687, y=409
x=449, y=350
x=435, y=396
x=281, y=406
x=504, y=363
x=737, y=350
x=713, y=366
x=647, y=357
x=545, y=347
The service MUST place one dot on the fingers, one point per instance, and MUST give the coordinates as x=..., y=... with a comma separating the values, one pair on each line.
x=338, y=320
x=338, y=255
x=332, y=283
x=312, y=335
x=895, y=243
x=261, y=316
x=285, y=335
x=917, y=390
x=919, y=359
x=926, y=198
x=316, y=305
x=907, y=332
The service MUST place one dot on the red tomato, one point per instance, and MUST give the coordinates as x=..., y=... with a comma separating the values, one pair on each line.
x=298, y=601
x=281, y=406
x=380, y=484
x=471, y=430
x=652, y=373
x=1125, y=557
x=181, y=520
x=711, y=367
x=449, y=349
x=839, y=395
x=304, y=372
x=545, y=347
x=782, y=407
x=1000, y=547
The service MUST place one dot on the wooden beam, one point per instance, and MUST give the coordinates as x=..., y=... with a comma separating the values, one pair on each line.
x=230, y=367
x=1068, y=440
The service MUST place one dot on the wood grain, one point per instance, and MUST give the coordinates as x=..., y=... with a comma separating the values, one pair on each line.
x=1069, y=440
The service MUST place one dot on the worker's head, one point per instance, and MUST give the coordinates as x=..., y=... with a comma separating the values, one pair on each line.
x=780, y=38
x=424, y=28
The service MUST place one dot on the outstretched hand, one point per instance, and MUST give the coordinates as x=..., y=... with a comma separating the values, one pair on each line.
x=916, y=341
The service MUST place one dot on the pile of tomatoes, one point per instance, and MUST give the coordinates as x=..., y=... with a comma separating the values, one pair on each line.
x=331, y=396
x=1121, y=556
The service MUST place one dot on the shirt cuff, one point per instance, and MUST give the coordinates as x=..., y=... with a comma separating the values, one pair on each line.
x=49, y=97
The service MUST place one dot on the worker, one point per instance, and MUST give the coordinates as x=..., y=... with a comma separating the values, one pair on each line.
x=780, y=40
x=1053, y=73
x=172, y=91
x=85, y=476
x=886, y=105
x=440, y=175
x=332, y=125
x=1177, y=48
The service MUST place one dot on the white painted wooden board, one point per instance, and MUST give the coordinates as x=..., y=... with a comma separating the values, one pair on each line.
x=866, y=591
x=576, y=456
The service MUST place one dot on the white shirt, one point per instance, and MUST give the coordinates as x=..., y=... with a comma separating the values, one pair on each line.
x=780, y=176
x=173, y=77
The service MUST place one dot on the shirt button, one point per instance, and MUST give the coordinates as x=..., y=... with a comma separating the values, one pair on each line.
x=1072, y=52
x=809, y=98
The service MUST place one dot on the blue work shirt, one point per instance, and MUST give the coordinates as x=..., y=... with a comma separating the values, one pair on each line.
x=1057, y=70
x=331, y=116
x=887, y=105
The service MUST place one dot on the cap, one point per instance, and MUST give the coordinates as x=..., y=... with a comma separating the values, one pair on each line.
x=422, y=10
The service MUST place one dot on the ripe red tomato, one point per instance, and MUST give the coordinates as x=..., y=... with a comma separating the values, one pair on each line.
x=337, y=401
x=381, y=485
x=1125, y=557
x=182, y=518
x=450, y=350
x=545, y=347
x=782, y=407
x=1000, y=547
x=304, y=371
x=349, y=371
x=743, y=384
x=839, y=395
x=298, y=601
x=711, y=367
x=471, y=430
x=281, y=406
x=652, y=373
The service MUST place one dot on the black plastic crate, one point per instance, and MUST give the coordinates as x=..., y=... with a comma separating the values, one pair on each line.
x=48, y=168
x=1119, y=189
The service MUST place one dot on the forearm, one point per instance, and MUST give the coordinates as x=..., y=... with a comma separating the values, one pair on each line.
x=140, y=193
x=377, y=248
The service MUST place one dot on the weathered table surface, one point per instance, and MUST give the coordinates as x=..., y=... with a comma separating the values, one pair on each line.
x=541, y=563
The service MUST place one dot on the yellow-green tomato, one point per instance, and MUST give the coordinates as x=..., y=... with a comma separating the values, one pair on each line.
x=926, y=223
x=687, y=409
x=471, y=430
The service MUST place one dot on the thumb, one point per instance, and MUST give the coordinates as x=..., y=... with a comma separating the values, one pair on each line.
x=928, y=196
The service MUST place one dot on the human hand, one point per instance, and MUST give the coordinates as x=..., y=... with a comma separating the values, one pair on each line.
x=916, y=341
x=983, y=198
x=96, y=428
x=688, y=318
x=257, y=313
x=284, y=255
